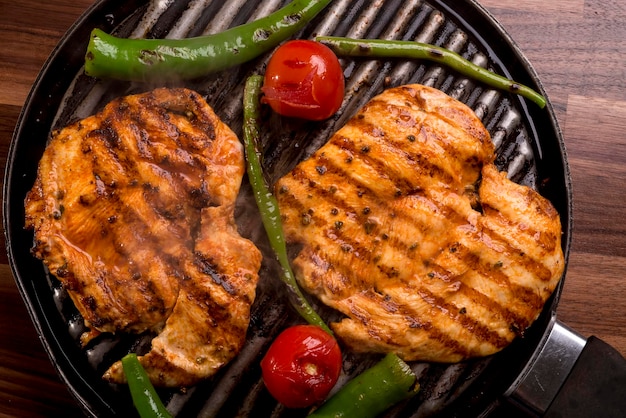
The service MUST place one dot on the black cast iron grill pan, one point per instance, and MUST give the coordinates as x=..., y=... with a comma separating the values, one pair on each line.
x=529, y=147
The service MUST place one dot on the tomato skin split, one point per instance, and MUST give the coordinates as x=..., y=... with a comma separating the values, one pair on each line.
x=302, y=366
x=304, y=79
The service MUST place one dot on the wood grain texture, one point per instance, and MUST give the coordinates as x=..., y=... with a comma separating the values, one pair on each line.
x=547, y=9
x=594, y=296
x=579, y=51
x=29, y=385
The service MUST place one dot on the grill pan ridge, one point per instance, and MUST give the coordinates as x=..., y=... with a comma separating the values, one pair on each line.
x=469, y=388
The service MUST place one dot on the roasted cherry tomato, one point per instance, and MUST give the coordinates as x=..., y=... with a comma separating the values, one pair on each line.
x=304, y=79
x=301, y=366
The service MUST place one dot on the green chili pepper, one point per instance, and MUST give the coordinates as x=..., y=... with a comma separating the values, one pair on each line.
x=377, y=48
x=150, y=59
x=144, y=396
x=372, y=392
x=268, y=206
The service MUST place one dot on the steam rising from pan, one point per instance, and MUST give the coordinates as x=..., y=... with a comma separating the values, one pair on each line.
x=238, y=388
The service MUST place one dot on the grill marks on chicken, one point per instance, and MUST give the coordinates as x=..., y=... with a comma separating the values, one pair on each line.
x=409, y=230
x=133, y=211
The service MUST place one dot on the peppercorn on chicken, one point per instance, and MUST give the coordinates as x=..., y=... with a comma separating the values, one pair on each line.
x=407, y=228
x=133, y=211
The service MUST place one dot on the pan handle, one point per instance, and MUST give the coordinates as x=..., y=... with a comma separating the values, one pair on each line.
x=596, y=385
x=569, y=376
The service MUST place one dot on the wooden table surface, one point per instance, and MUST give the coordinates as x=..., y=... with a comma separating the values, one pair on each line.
x=578, y=47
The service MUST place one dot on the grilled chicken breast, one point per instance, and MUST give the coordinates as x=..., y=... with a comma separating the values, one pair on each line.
x=408, y=229
x=133, y=210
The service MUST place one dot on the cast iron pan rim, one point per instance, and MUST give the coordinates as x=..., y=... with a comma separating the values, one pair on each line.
x=88, y=400
x=86, y=395
x=521, y=57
